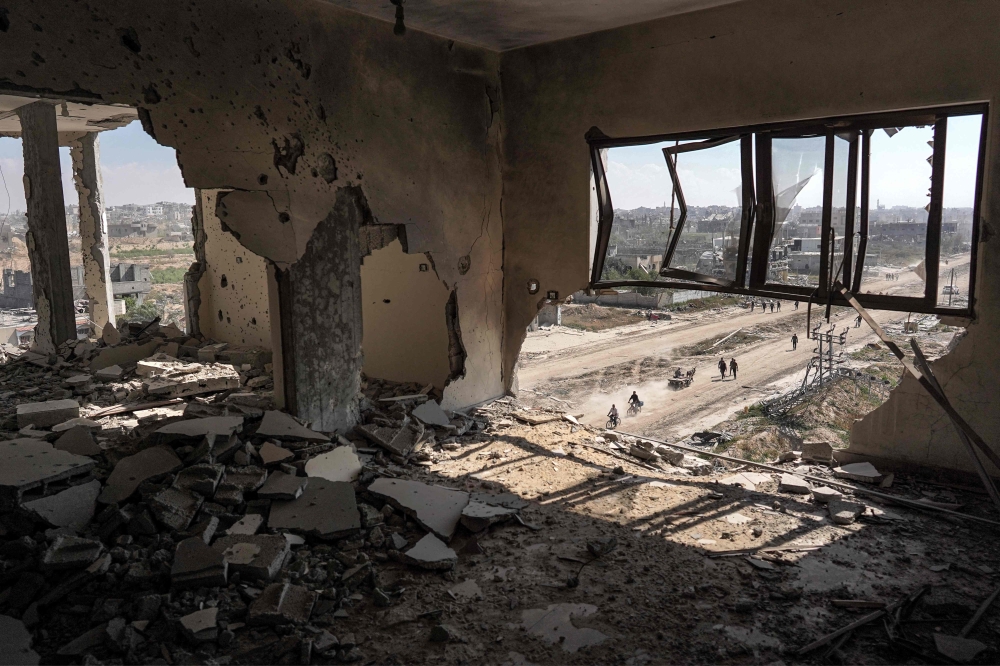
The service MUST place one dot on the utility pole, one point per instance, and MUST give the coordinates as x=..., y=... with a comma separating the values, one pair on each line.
x=951, y=287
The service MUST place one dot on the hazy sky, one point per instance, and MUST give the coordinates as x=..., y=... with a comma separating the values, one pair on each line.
x=136, y=169
x=638, y=175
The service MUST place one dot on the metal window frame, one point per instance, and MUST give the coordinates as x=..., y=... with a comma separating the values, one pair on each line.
x=758, y=215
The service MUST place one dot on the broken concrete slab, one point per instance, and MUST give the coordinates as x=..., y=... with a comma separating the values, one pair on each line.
x=861, y=471
x=554, y=625
x=154, y=414
x=31, y=463
x=279, y=425
x=508, y=500
x=79, y=422
x=202, y=479
x=123, y=355
x=245, y=477
x=72, y=508
x=747, y=480
x=793, y=484
x=282, y=603
x=198, y=428
x=201, y=625
x=271, y=454
x=477, y=516
x=962, y=650
x=431, y=413
x=78, y=441
x=824, y=494
x=175, y=508
x=209, y=379
x=843, y=512
x=327, y=509
x=536, y=418
x=81, y=644
x=256, y=556
x=15, y=643
x=281, y=486
x=341, y=464
x=46, y=414
x=397, y=441
x=247, y=525
x=162, y=363
x=431, y=553
x=466, y=590
x=133, y=470
x=70, y=552
x=112, y=373
x=437, y=509
x=196, y=565
x=817, y=451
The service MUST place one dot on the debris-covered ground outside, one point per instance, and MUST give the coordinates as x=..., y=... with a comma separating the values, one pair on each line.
x=156, y=508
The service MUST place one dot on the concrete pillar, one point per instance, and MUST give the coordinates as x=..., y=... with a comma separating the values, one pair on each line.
x=86, y=155
x=48, y=247
x=320, y=320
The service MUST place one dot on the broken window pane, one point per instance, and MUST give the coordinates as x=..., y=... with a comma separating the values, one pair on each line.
x=797, y=180
x=960, y=175
x=899, y=197
x=839, y=212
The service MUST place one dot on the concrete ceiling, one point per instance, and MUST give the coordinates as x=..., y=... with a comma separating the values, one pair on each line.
x=500, y=25
x=72, y=119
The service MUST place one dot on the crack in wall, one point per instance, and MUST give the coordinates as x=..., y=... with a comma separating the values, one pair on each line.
x=192, y=293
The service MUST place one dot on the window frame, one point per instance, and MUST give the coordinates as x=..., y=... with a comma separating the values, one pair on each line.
x=758, y=210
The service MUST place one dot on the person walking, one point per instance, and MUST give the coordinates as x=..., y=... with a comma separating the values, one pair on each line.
x=722, y=368
x=772, y=307
x=752, y=304
x=795, y=339
x=733, y=367
x=796, y=305
x=857, y=322
x=779, y=306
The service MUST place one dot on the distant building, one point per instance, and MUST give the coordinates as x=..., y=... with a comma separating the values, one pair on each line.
x=133, y=280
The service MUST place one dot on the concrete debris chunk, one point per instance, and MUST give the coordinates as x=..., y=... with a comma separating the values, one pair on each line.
x=79, y=422
x=46, y=414
x=325, y=642
x=246, y=477
x=398, y=541
x=175, y=508
x=110, y=334
x=341, y=464
x=327, y=509
x=746, y=480
x=962, y=650
x=210, y=378
x=256, y=556
x=824, y=494
x=397, y=441
x=196, y=565
x=72, y=508
x=466, y=590
x=79, y=645
x=817, y=451
x=281, y=486
x=112, y=373
x=154, y=414
x=282, y=603
x=431, y=413
x=862, y=471
x=161, y=364
x=437, y=509
x=201, y=625
x=201, y=479
x=247, y=525
x=431, y=553
x=280, y=425
x=78, y=441
x=15, y=643
x=554, y=625
x=272, y=454
x=133, y=470
x=32, y=463
x=122, y=355
x=793, y=484
x=508, y=500
x=536, y=418
x=70, y=552
x=477, y=516
x=843, y=512
x=198, y=428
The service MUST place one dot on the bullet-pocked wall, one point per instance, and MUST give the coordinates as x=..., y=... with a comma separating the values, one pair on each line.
x=750, y=62
x=296, y=107
x=233, y=288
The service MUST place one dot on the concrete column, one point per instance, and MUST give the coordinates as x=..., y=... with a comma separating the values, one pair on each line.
x=320, y=320
x=86, y=153
x=48, y=247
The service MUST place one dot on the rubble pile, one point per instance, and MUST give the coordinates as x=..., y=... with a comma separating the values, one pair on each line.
x=156, y=508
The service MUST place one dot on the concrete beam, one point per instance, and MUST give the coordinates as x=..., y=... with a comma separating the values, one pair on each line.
x=48, y=246
x=86, y=154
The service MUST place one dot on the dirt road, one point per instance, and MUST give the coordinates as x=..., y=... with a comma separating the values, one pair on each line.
x=590, y=371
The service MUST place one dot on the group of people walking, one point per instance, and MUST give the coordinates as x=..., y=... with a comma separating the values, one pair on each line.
x=732, y=367
x=892, y=276
x=772, y=304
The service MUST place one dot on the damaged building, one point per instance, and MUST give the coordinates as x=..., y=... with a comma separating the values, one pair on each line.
x=320, y=468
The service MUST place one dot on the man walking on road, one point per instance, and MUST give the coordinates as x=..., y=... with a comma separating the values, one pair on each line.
x=857, y=322
x=722, y=368
x=796, y=305
x=795, y=339
x=779, y=306
x=772, y=307
x=733, y=367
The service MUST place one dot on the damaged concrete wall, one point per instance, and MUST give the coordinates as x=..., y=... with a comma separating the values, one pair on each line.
x=403, y=305
x=234, y=294
x=751, y=62
x=291, y=101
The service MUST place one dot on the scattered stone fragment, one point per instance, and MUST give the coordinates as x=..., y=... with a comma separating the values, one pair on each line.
x=15, y=643
x=271, y=454
x=817, y=451
x=196, y=565
x=246, y=525
x=46, y=414
x=73, y=508
x=202, y=479
x=398, y=541
x=793, y=484
x=201, y=625
x=431, y=553
x=175, y=508
x=843, y=512
x=110, y=334
x=824, y=494
x=444, y=633
x=210, y=378
x=747, y=480
x=203, y=529
x=280, y=425
x=431, y=413
x=199, y=428
x=78, y=422
x=154, y=414
x=477, y=516
x=70, y=552
x=327, y=509
x=962, y=650
x=325, y=642
x=32, y=463
x=78, y=441
x=341, y=464
x=862, y=471
x=281, y=486
x=282, y=603
x=554, y=625
x=398, y=441
x=122, y=355
x=436, y=509
x=109, y=374
x=247, y=477
x=758, y=563
x=737, y=519
x=82, y=643
x=257, y=556
x=466, y=590
x=133, y=470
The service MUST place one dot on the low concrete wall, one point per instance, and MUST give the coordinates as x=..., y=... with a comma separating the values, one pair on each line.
x=631, y=299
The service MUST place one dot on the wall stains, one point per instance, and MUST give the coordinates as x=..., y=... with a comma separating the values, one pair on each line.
x=287, y=157
x=456, y=350
x=326, y=167
x=130, y=40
